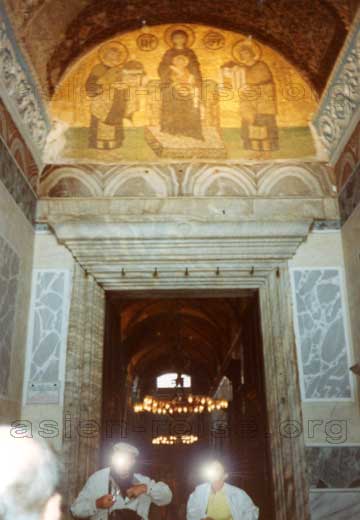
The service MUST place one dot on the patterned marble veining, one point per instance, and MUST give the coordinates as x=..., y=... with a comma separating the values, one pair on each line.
x=349, y=158
x=47, y=336
x=321, y=336
x=335, y=505
x=9, y=277
x=83, y=387
x=349, y=197
x=15, y=183
x=333, y=467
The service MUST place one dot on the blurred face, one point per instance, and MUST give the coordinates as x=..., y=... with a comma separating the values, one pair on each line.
x=246, y=55
x=123, y=463
x=112, y=57
x=179, y=40
x=214, y=472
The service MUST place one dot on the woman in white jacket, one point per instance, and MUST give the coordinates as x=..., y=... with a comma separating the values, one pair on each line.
x=118, y=488
x=217, y=500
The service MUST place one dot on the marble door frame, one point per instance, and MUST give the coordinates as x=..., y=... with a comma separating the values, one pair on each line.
x=251, y=255
x=281, y=387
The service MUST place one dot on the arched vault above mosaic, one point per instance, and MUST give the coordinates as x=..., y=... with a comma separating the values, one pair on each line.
x=309, y=33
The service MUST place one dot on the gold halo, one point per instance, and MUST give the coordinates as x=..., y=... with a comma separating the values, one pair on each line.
x=114, y=45
x=169, y=31
x=248, y=42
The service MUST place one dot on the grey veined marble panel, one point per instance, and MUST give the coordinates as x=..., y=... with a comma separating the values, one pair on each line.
x=330, y=505
x=335, y=467
x=321, y=337
x=9, y=275
x=48, y=331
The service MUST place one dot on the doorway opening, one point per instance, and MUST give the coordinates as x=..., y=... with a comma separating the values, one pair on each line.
x=214, y=342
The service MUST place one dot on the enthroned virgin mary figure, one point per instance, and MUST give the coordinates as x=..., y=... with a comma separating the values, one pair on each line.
x=181, y=80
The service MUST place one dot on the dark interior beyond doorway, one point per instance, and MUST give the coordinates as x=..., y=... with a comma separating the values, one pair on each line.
x=216, y=342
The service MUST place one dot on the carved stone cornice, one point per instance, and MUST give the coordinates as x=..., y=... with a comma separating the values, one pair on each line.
x=218, y=246
x=19, y=92
x=339, y=109
x=109, y=240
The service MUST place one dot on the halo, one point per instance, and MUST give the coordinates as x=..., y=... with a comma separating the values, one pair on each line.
x=248, y=42
x=169, y=31
x=123, y=52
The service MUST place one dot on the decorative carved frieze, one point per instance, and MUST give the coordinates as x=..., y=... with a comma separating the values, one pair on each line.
x=339, y=109
x=19, y=92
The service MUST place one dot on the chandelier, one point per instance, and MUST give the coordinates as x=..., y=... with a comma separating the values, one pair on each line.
x=171, y=440
x=180, y=404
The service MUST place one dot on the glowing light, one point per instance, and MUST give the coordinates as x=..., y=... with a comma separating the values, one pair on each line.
x=180, y=405
x=171, y=440
x=122, y=461
x=213, y=472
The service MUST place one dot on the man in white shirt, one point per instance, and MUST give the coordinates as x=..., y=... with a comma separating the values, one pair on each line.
x=119, y=488
x=217, y=500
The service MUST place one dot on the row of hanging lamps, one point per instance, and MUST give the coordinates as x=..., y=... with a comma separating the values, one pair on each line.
x=171, y=440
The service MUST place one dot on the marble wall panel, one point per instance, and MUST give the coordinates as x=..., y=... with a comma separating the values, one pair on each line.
x=349, y=197
x=333, y=467
x=17, y=146
x=321, y=334
x=338, y=505
x=348, y=160
x=47, y=336
x=9, y=277
x=16, y=184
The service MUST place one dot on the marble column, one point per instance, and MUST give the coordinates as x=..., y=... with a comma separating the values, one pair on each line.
x=283, y=398
x=83, y=387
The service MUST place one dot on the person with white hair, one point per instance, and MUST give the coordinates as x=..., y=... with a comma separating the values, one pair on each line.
x=118, y=492
x=29, y=476
x=218, y=500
